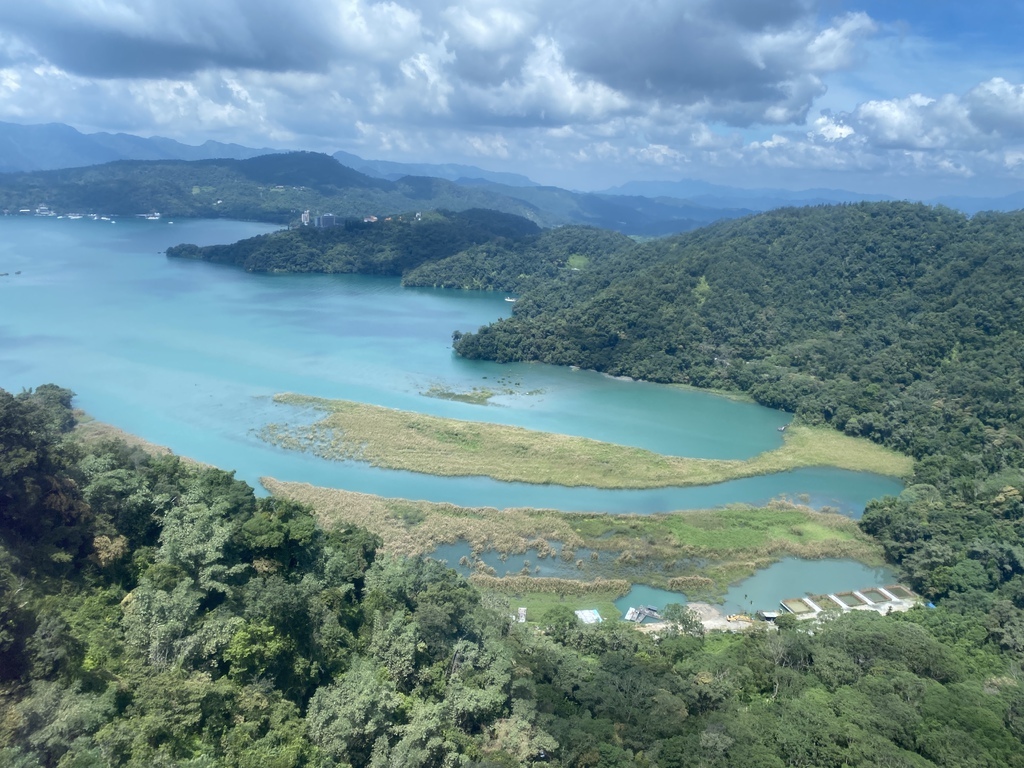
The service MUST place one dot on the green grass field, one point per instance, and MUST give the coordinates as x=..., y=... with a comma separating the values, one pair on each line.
x=539, y=603
x=433, y=445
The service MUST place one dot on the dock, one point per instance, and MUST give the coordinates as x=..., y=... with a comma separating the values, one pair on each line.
x=884, y=600
x=637, y=615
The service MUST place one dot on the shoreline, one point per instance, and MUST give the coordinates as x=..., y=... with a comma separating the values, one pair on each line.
x=446, y=447
x=718, y=546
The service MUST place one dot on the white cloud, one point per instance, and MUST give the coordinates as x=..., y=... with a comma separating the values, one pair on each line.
x=837, y=47
x=489, y=26
x=830, y=129
x=997, y=107
x=546, y=92
x=599, y=85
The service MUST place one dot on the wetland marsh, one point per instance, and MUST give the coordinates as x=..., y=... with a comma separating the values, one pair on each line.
x=189, y=355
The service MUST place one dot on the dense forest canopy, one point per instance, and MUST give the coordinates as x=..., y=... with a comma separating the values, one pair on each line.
x=391, y=245
x=474, y=249
x=895, y=321
x=156, y=613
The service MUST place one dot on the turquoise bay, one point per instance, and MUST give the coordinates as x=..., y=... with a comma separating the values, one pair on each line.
x=188, y=355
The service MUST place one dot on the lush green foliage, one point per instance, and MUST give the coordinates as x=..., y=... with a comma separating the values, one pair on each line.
x=390, y=246
x=154, y=613
x=893, y=321
x=472, y=249
x=514, y=266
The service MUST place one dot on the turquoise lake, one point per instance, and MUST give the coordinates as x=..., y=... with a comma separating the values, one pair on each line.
x=188, y=354
x=787, y=578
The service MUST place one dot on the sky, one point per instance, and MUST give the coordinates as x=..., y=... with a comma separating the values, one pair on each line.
x=909, y=98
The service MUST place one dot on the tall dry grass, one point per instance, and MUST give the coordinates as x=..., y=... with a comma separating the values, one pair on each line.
x=712, y=547
x=449, y=447
x=518, y=585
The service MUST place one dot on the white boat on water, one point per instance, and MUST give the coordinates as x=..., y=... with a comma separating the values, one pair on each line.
x=509, y=298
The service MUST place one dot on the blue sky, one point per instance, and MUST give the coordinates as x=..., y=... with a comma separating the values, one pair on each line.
x=904, y=98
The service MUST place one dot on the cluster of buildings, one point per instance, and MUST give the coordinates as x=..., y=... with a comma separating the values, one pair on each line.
x=325, y=220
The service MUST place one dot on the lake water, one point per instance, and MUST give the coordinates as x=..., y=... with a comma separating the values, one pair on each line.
x=188, y=354
x=787, y=578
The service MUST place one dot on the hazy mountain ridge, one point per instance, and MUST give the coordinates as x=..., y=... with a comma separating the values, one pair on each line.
x=646, y=208
x=279, y=187
x=469, y=174
x=56, y=146
x=768, y=198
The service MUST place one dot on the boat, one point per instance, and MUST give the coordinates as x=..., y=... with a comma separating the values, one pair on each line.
x=509, y=298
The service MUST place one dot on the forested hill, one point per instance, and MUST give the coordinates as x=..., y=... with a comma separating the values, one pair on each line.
x=833, y=312
x=476, y=249
x=279, y=187
x=157, y=613
x=274, y=188
x=898, y=322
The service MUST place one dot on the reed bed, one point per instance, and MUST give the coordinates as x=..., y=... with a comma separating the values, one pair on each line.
x=433, y=445
x=710, y=547
x=474, y=396
x=418, y=527
x=89, y=430
x=518, y=585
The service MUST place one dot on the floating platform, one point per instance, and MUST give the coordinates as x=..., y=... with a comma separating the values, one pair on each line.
x=884, y=600
x=638, y=615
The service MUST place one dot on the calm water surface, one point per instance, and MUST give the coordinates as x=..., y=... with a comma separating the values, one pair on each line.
x=188, y=355
x=787, y=578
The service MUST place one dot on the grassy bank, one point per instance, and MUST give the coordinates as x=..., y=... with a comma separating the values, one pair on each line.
x=89, y=430
x=433, y=445
x=537, y=599
x=706, y=549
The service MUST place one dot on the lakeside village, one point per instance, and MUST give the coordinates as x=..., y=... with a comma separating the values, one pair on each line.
x=327, y=220
x=46, y=211
x=894, y=598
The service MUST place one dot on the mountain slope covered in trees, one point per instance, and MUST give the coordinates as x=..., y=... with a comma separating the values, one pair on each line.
x=894, y=321
x=473, y=249
x=279, y=187
x=829, y=312
x=155, y=613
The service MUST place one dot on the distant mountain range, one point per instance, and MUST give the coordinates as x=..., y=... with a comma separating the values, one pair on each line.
x=650, y=208
x=766, y=199
x=54, y=146
x=461, y=174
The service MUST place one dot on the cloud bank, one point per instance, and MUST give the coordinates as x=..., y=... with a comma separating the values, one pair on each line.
x=585, y=91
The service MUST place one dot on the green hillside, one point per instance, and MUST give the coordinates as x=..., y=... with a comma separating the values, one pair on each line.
x=893, y=321
x=157, y=613
x=386, y=247
x=472, y=249
x=279, y=187
x=273, y=188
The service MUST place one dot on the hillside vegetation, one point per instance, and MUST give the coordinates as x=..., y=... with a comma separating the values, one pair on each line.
x=897, y=322
x=274, y=188
x=894, y=321
x=277, y=188
x=156, y=613
x=472, y=249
